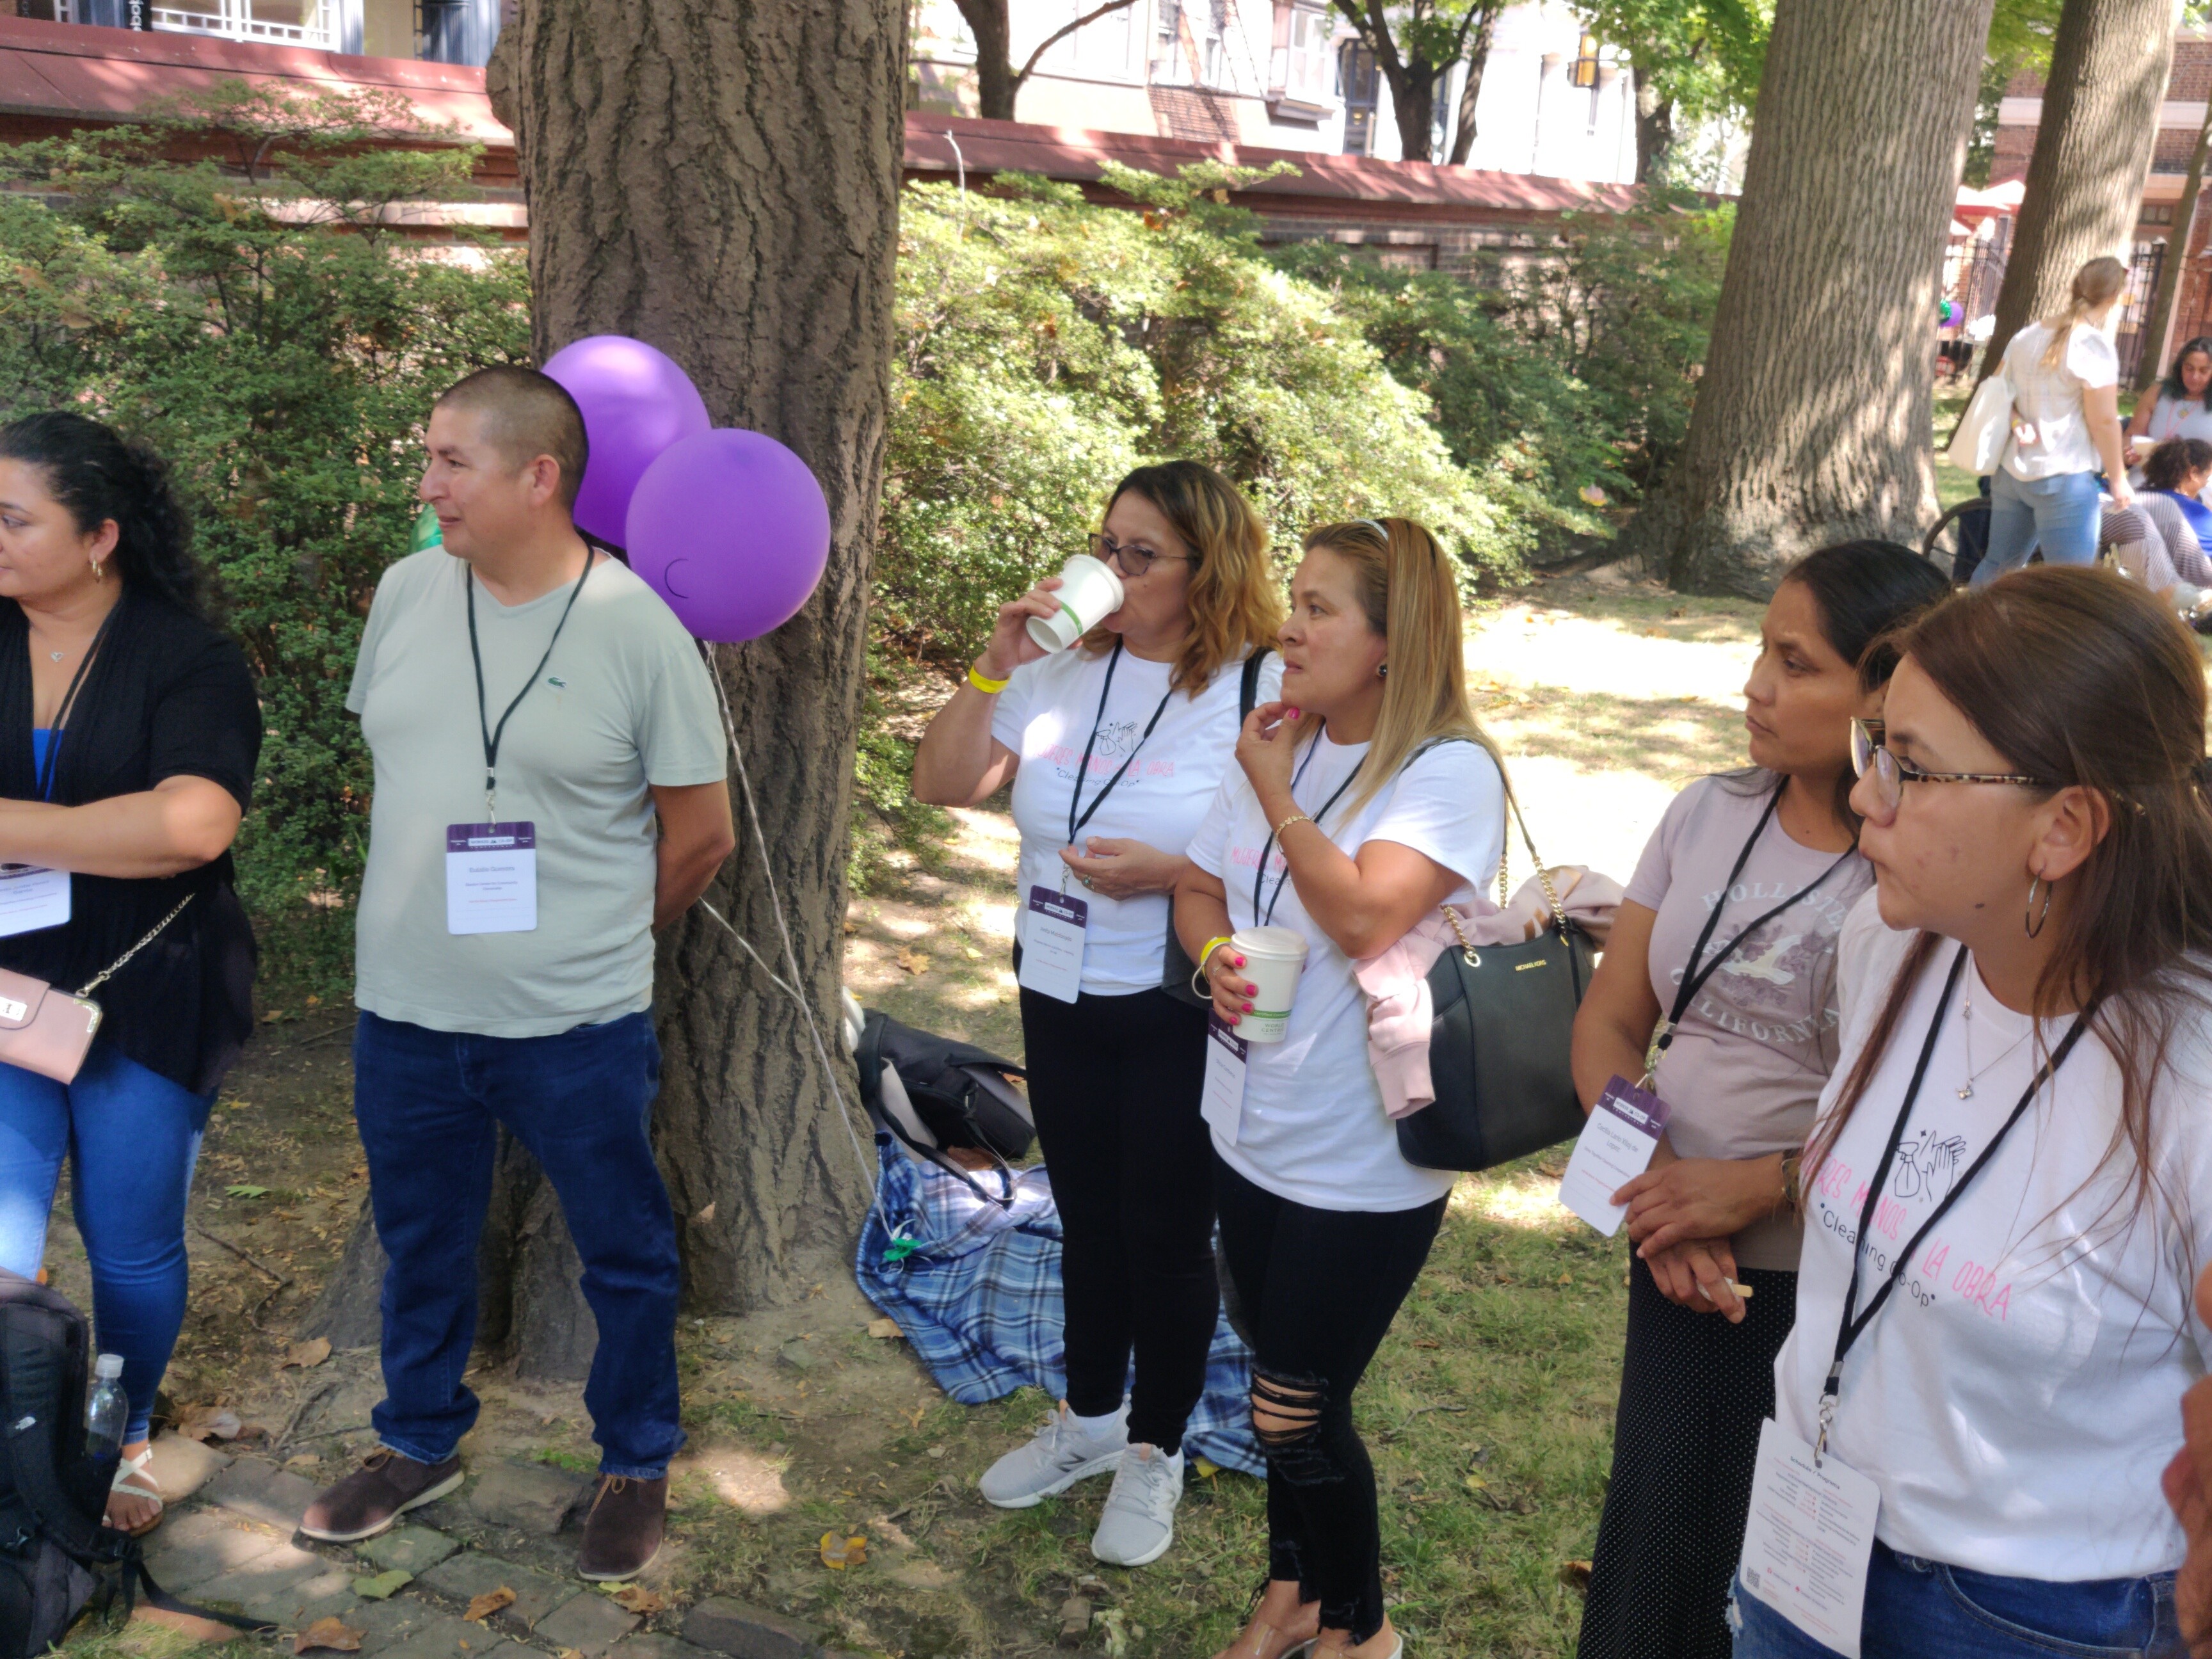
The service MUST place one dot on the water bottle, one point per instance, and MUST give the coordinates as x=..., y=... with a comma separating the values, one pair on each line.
x=107, y=1413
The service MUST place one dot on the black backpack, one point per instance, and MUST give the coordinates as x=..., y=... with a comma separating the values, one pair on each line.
x=57, y=1551
x=936, y=1093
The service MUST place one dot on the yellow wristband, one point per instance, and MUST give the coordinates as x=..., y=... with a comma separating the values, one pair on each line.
x=1211, y=945
x=989, y=688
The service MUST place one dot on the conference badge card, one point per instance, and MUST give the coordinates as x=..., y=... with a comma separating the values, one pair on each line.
x=491, y=878
x=1618, y=1140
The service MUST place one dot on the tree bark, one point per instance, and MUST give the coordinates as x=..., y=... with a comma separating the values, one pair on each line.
x=1478, y=60
x=722, y=179
x=1413, y=101
x=1655, y=129
x=2109, y=61
x=2171, y=270
x=1812, y=419
x=995, y=85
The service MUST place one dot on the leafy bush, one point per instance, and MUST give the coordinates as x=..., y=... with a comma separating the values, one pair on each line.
x=1046, y=345
x=260, y=328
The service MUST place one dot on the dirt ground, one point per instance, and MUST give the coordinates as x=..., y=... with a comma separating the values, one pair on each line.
x=1490, y=1408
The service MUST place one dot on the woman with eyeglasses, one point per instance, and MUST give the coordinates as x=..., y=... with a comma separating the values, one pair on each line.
x=1726, y=945
x=1116, y=749
x=2009, y=1189
x=2180, y=410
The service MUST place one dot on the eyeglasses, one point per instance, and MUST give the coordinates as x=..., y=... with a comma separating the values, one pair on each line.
x=1870, y=756
x=1131, y=560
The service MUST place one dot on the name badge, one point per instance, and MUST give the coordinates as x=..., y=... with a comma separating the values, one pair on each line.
x=1809, y=1539
x=1052, y=944
x=1222, y=1103
x=491, y=878
x=31, y=898
x=1615, y=1147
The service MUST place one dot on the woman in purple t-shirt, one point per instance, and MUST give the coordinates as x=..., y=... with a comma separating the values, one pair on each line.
x=1726, y=946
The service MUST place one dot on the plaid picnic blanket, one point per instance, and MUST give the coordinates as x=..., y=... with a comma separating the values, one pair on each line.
x=977, y=1292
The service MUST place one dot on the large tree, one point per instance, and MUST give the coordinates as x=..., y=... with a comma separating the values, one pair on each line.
x=722, y=179
x=997, y=82
x=1812, y=417
x=2110, y=61
x=1415, y=45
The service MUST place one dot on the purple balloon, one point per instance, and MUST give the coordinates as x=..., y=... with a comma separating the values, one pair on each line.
x=636, y=403
x=732, y=530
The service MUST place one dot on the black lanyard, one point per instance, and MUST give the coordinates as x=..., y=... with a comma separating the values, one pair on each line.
x=1083, y=768
x=50, y=762
x=1698, y=970
x=492, y=734
x=1260, y=874
x=1849, y=1329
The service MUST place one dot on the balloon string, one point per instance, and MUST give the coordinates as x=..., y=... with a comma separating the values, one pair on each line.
x=870, y=1172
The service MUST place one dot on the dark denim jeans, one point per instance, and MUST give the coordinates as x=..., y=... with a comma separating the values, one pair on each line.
x=1920, y=1609
x=428, y=1104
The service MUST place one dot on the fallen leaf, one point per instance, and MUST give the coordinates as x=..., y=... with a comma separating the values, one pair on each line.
x=1425, y=1342
x=705, y=1215
x=1205, y=1468
x=913, y=961
x=1476, y=1483
x=383, y=1585
x=307, y=1355
x=206, y=1423
x=1576, y=1576
x=638, y=1600
x=242, y=1190
x=334, y=1634
x=489, y=1602
x=885, y=1330
x=839, y=1553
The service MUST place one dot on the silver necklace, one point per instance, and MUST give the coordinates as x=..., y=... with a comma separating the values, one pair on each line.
x=1966, y=1090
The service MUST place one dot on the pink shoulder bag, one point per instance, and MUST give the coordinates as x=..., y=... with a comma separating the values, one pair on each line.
x=49, y=1031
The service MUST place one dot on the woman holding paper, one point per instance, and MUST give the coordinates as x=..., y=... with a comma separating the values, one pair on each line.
x=1115, y=747
x=1361, y=802
x=129, y=733
x=2009, y=1190
x=1726, y=942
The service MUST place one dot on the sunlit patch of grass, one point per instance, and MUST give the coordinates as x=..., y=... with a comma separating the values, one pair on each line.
x=1675, y=739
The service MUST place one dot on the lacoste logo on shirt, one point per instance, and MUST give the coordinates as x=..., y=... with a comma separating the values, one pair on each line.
x=556, y=682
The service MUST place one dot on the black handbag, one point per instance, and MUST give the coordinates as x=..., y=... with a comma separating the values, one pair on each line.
x=1500, y=1041
x=1177, y=971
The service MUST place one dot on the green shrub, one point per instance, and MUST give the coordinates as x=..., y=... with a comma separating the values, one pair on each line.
x=261, y=328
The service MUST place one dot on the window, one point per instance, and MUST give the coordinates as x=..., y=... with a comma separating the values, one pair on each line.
x=289, y=22
x=1362, y=82
x=1302, y=62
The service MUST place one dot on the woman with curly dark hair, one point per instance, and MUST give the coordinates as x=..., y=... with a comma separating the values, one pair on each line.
x=129, y=733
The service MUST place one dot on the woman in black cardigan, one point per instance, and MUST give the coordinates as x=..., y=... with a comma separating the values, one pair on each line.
x=129, y=733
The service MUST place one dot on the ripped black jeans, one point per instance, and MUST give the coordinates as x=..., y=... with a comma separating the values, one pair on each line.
x=1319, y=1288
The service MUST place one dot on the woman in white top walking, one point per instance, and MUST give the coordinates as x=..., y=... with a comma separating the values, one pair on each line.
x=1365, y=800
x=2065, y=426
x=2008, y=1189
x=1116, y=749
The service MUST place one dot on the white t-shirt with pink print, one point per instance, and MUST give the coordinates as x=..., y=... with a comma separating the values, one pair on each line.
x=2018, y=1395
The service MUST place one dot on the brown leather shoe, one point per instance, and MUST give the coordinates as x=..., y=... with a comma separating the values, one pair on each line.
x=385, y=1487
x=621, y=1531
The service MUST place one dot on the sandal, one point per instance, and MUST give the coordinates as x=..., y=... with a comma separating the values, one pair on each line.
x=134, y=1479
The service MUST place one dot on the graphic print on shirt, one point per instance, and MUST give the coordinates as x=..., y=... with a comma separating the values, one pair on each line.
x=1927, y=1165
x=1778, y=987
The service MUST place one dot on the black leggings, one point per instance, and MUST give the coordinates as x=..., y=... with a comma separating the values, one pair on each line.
x=1319, y=1288
x=1115, y=1084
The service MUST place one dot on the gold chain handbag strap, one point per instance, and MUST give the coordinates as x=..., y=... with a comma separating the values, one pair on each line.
x=1505, y=858
x=121, y=962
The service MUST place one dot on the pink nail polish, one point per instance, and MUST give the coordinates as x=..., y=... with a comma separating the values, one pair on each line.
x=1240, y=962
x=1248, y=1007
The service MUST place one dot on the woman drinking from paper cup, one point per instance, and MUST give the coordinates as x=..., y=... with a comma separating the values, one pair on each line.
x=129, y=733
x=1110, y=695
x=1364, y=800
x=2009, y=1189
x=1726, y=942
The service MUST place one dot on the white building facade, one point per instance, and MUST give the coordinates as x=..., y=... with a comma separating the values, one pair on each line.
x=1292, y=75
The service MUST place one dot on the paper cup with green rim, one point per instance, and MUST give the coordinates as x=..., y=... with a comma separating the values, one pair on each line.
x=1088, y=593
x=1273, y=959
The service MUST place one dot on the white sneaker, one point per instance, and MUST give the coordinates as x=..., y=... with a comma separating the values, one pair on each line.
x=1138, y=1524
x=1061, y=1455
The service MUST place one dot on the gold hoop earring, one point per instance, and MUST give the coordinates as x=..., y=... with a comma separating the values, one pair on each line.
x=2034, y=922
x=99, y=571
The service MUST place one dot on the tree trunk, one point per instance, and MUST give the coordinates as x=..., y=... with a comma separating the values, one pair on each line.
x=1413, y=101
x=721, y=179
x=1812, y=419
x=1655, y=130
x=1478, y=60
x=995, y=86
x=2110, y=61
x=2171, y=270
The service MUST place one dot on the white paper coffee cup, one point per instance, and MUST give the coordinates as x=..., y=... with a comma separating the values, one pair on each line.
x=1273, y=959
x=1088, y=593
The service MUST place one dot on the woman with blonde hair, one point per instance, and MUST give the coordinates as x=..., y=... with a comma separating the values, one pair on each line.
x=1115, y=749
x=2065, y=379
x=1363, y=801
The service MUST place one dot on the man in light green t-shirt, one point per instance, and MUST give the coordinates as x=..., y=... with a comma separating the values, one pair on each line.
x=549, y=789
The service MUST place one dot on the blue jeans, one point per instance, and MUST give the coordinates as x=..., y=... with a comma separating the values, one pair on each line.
x=1919, y=1609
x=133, y=1138
x=429, y=1104
x=2062, y=513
